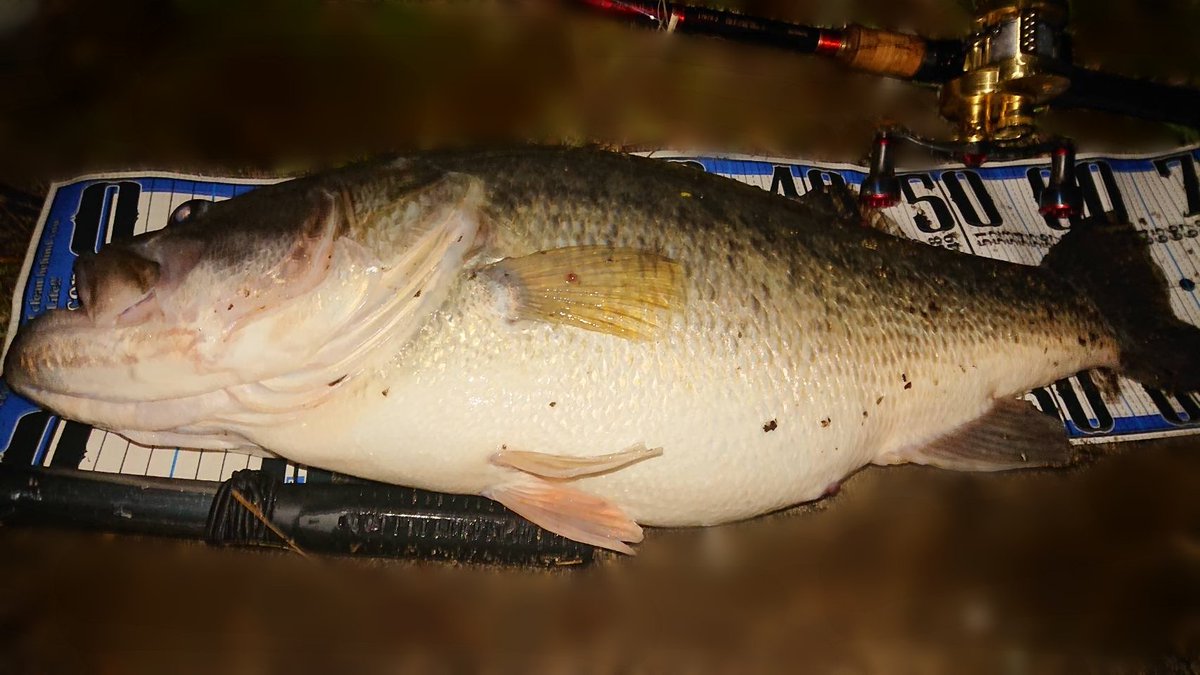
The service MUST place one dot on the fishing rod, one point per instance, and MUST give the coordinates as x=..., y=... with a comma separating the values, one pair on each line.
x=1015, y=63
x=880, y=52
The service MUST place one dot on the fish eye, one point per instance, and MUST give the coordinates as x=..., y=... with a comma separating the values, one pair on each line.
x=189, y=211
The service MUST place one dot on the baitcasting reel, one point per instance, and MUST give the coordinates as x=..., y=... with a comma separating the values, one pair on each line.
x=1015, y=62
x=1012, y=66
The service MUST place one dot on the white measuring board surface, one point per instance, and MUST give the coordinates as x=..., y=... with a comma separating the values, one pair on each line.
x=989, y=211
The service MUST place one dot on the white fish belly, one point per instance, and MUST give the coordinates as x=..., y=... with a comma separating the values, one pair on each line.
x=730, y=448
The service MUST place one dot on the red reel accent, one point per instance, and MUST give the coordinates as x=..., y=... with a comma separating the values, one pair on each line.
x=1058, y=210
x=879, y=201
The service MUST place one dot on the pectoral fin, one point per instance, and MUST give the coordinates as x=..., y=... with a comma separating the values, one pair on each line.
x=1013, y=435
x=566, y=467
x=572, y=513
x=620, y=291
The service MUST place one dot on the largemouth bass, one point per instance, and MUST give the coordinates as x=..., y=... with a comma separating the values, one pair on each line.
x=595, y=340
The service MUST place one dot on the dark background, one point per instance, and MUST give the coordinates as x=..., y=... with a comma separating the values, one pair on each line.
x=286, y=85
x=1095, y=569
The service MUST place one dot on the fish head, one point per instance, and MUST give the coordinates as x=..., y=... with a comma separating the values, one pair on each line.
x=250, y=305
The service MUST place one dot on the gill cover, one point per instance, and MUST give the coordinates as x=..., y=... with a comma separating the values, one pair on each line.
x=256, y=307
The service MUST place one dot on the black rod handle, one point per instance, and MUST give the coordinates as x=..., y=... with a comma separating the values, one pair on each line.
x=349, y=517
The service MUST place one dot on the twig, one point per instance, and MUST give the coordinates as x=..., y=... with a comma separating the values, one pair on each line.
x=257, y=513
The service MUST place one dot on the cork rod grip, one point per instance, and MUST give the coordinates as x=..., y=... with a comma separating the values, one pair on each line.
x=882, y=52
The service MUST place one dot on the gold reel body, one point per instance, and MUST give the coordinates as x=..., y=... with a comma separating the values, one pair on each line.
x=1010, y=68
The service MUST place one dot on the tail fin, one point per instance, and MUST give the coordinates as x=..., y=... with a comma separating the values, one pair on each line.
x=1111, y=265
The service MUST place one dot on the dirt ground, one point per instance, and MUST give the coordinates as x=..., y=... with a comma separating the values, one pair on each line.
x=907, y=570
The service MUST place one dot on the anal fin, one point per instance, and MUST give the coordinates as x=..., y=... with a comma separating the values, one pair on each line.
x=1013, y=435
x=569, y=512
